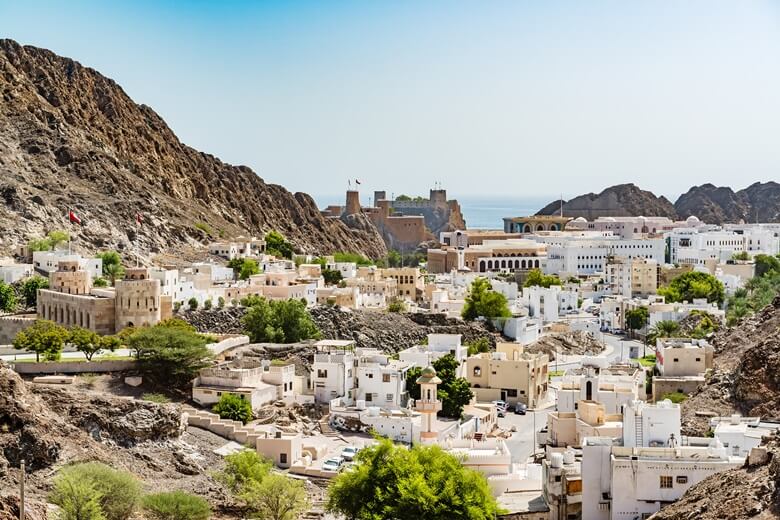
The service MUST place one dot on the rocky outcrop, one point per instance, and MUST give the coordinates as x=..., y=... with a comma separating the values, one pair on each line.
x=746, y=375
x=617, y=201
x=71, y=138
x=749, y=492
x=717, y=204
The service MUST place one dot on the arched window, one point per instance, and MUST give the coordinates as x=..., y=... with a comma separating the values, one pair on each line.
x=589, y=391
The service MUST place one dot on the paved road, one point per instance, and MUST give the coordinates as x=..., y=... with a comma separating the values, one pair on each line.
x=521, y=444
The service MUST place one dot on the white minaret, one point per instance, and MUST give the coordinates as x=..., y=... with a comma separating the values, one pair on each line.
x=428, y=404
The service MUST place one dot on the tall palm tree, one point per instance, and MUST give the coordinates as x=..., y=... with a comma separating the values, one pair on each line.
x=664, y=329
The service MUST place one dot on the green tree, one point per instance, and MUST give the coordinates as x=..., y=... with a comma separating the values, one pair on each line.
x=30, y=288
x=282, y=321
x=176, y=505
x=536, y=277
x=248, y=268
x=77, y=499
x=277, y=245
x=100, y=282
x=354, y=258
x=170, y=355
x=478, y=346
x=454, y=392
x=396, y=305
x=192, y=303
x=393, y=258
x=276, y=497
x=243, y=467
x=483, y=301
x=233, y=407
x=117, y=492
x=766, y=264
x=112, y=265
x=691, y=285
x=39, y=244
x=7, y=298
x=57, y=237
x=43, y=337
x=743, y=256
x=636, y=319
x=331, y=276
x=391, y=481
x=85, y=341
x=207, y=304
x=220, y=303
x=664, y=329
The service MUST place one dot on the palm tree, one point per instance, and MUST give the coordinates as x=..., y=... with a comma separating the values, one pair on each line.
x=664, y=329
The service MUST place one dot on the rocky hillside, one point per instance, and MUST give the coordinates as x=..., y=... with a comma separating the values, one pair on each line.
x=759, y=201
x=712, y=204
x=71, y=138
x=749, y=492
x=746, y=377
x=51, y=426
x=617, y=201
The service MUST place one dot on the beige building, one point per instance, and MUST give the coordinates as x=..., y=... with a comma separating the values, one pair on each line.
x=257, y=382
x=681, y=364
x=409, y=280
x=72, y=301
x=509, y=374
x=589, y=419
x=631, y=277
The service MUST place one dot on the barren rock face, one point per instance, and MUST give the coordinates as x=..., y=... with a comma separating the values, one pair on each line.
x=71, y=138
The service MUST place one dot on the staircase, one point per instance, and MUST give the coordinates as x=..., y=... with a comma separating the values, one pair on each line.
x=639, y=434
x=325, y=428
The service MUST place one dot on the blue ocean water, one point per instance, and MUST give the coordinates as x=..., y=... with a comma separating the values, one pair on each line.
x=480, y=212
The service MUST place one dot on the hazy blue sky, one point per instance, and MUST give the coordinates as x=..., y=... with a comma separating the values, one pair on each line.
x=509, y=98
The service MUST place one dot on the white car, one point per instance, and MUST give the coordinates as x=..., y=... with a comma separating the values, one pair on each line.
x=349, y=452
x=332, y=464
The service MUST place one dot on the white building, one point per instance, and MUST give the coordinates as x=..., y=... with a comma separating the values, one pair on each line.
x=380, y=381
x=439, y=345
x=12, y=273
x=584, y=255
x=550, y=303
x=47, y=262
x=332, y=372
x=613, y=386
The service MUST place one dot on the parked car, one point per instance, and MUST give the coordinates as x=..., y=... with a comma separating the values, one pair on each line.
x=333, y=464
x=500, y=408
x=520, y=408
x=349, y=452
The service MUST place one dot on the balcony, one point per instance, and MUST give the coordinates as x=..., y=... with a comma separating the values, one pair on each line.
x=424, y=405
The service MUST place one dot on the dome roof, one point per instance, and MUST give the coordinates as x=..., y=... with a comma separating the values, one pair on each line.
x=428, y=375
x=693, y=219
x=580, y=219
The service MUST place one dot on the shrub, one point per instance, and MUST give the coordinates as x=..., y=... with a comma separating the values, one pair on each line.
x=396, y=305
x=243, y=467
x=205, y=228
x=156, y=398
x=176, y=306
x=276, y=497
x=220, y=303
x=78, y=499
x=100, y=282
x=192, y=303
x=7, y=297
x=30, y=288
x=207, y=304
x=117, y=492
x=176, y=505
x=675, y=397
x=233, y=407
x=478, y=346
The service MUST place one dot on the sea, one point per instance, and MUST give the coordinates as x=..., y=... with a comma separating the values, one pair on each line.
x=480, y=212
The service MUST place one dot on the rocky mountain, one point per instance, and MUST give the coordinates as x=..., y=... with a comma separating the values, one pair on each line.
x=617, y=201
x=758, y=202
x=72, y=139
x=712, y=204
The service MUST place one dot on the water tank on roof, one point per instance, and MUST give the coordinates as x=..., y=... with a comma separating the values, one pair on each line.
x=556, y=460
x=360, y=404
x=568, y=456
x=373, y=411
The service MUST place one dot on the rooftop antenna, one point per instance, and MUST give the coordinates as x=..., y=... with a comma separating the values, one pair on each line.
x=561, y=204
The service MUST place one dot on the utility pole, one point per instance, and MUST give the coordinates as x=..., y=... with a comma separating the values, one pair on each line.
x=21, y=491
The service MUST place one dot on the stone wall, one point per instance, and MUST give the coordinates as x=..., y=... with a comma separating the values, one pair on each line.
x=10, y=326
x=74, y=367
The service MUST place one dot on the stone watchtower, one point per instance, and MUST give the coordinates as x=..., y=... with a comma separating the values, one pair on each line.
x=428, y=404
x=137, y=299
x=353, y=203
x=70, y=278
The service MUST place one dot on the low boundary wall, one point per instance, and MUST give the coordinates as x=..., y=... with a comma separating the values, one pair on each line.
x=73, y=367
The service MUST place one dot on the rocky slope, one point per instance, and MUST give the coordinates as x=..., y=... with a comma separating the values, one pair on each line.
x=52, y=426
x=71, y=138
x=712, y=204
x=749, y=492
x=758, y=202
x=746, y=375
x=371, y=329
x=616, y=201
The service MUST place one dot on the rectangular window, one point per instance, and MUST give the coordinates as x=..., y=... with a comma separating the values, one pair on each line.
x=369, y=397
x=322, y=373
x=389, y=398
x=682, y=479
x=282, y=458
x=665, y=482
x=385, y=378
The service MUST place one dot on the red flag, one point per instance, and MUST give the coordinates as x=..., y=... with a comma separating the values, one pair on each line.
x=73, y=218
x=139, y=218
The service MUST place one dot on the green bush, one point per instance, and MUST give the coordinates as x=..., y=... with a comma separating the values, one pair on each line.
x=220, y=303
x=205, y=228
x=243, y=467
x=192, y=303
x=396, y=305
x=233, y=407
x=176, y=505
x=207, y=304
x=80, y=486
x=30, y=288
x=156, y=398
x=675, y=397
